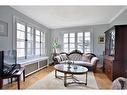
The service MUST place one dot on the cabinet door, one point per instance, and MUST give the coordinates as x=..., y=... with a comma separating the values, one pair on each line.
x=107, y=42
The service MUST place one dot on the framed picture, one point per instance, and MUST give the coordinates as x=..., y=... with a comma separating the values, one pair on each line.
x=3, y=28
x=101, y=39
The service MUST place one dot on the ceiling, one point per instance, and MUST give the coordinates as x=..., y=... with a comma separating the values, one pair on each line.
x=69, y=16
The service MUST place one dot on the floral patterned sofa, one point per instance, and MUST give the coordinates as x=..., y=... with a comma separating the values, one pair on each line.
x=88, y=60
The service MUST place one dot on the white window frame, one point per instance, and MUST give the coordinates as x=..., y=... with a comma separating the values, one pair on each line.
x=26, y=40
x=76, y=41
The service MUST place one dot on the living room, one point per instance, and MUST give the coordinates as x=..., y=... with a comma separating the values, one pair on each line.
x=39, y=34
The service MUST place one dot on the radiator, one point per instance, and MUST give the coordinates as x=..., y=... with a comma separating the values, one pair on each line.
x=34, y=65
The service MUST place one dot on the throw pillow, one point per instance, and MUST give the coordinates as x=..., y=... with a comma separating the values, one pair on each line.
x=64, y=56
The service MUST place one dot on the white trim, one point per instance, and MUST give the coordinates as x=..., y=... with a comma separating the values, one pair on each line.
x=120, y=12
x=31, y=61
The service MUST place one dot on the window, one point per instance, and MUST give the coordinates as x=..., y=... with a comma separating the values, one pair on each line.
x=72, y=41
x=66, y=43
x=42, y=43
x=87, y=42
x=30, y=41
x=20, y=39
x=37, y=42
x=80, y=41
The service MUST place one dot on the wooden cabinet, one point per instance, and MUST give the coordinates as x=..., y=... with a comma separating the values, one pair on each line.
x=115, y=57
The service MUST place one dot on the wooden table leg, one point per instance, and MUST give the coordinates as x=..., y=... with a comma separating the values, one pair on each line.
x=86, y=79
x=65, y=79
x=1, y=83
x=23, y=75
x=55, y=73
x=18, y=81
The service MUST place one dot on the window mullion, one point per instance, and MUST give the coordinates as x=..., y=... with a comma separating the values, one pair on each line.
x=68, y=42
x=83, y=42
x=76, y=47
x=34, y=37
x=40, y=43
x=25, y=41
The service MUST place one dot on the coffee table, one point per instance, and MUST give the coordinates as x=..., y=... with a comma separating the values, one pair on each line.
x=71, y=69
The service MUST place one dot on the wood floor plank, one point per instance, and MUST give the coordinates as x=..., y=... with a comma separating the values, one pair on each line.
x=102, y=81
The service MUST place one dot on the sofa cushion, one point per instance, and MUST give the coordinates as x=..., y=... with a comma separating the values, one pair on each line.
x=83, y=63
x=65, y=61
x=85, y=57
x=75, y=57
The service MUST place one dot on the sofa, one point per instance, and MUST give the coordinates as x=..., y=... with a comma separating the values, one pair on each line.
x=88, y=60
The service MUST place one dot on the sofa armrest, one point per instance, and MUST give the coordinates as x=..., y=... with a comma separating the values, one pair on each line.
x=94, y=62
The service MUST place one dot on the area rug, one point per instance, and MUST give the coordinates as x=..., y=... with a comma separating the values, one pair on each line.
x=50, y=82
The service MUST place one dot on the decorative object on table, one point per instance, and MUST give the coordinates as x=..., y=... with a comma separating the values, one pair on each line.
x=69, y=63
x=3, y=28
x=101, y=39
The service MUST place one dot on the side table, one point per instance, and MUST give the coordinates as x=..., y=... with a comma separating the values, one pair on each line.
x=15, y=75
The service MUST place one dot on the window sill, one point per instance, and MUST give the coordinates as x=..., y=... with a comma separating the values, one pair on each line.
x=31, y=60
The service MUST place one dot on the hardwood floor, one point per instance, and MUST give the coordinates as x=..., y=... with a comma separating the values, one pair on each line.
x=102, y=81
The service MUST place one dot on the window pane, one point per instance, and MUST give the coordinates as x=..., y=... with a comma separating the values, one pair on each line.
x=65, y=35
x=72, y=46
x=65, y=46
x=38, y=38
x=20, y=52
x=72, y=34
x=29, y=36
x=80, y=47
x=72, y=40
x=87, y=42
x=21, y=44
x=29, y=44
x=80, y=34
x=80, y=38
x=29, y=29
x=20, y=34
x=37, y=51
x=66, y=50
x=42, y=38
x=37, y=32
x=65, y=40
x=37, y=45
x=87, y=34
x=20, y=26
x=29, y=52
